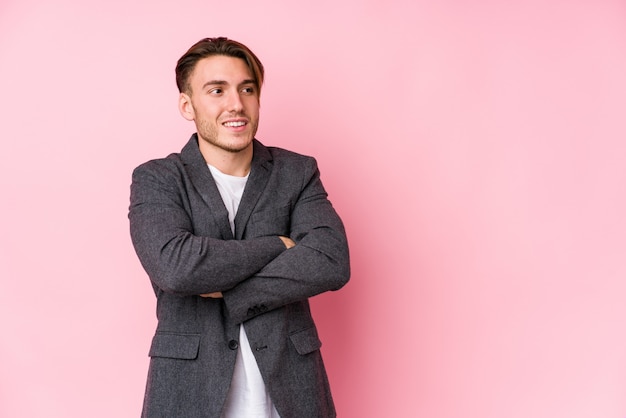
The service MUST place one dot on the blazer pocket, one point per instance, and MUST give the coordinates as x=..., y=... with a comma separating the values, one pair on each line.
x=178, y=346
x=306, y=341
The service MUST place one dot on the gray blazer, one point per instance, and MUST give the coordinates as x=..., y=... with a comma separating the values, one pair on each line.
x=179, y=227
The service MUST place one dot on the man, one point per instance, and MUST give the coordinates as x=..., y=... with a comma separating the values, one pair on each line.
x=235, y=238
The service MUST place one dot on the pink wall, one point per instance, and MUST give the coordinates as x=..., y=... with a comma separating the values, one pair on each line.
x=476, y=152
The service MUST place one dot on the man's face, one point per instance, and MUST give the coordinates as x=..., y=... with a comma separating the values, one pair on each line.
x=223, y=103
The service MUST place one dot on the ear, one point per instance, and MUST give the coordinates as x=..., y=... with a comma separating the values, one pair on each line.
x=185, y=107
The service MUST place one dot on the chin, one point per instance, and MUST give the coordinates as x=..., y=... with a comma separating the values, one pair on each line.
x=237, y=146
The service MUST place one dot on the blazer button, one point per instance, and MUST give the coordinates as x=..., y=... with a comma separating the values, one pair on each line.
x=233, y=344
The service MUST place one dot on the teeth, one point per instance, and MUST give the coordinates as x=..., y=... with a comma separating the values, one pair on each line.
x=234, y=124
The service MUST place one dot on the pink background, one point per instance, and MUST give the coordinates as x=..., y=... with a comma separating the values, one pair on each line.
x=475, y=150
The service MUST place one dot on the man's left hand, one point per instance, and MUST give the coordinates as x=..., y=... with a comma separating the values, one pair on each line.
x=214, y=295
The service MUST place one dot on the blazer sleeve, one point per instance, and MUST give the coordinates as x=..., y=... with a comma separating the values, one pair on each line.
x=176, y=260
x=318, y=262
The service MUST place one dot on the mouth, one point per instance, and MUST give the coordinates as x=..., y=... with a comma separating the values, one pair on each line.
x=235, y=123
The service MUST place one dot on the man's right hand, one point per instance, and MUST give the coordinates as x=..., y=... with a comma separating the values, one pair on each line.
x=287, y=241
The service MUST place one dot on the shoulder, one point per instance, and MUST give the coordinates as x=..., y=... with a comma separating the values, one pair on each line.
x=284, y=154
x=162, y=169
x=289, y=160
x=171, y=162
x=174, y=164
x=291, y=167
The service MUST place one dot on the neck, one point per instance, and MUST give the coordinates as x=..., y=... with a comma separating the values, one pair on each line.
x=233, y=163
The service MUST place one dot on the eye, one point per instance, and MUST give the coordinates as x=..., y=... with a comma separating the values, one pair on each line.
x=248, y=90
x=216, y=91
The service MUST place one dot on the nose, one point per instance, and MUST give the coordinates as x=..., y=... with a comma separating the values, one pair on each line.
x=235, y=104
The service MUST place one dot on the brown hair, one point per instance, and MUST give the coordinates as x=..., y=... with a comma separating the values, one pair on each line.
x=216, y=46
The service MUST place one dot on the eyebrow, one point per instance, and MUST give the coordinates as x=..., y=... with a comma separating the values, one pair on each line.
x=224, y=82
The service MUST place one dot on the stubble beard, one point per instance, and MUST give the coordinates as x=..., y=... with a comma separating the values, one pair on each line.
x=209, y=132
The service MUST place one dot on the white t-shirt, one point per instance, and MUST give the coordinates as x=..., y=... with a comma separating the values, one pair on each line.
x=247, y=396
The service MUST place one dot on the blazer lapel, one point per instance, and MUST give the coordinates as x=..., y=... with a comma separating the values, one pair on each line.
x=259, y=175
x=201, y=178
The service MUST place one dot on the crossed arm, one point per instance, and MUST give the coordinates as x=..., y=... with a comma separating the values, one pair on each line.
x=217, y=295
x=249, y=272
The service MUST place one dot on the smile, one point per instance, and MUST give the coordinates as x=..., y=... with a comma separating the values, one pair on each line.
x=235, y=124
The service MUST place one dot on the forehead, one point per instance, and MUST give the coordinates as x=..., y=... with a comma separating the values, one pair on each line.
x=220, y=68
